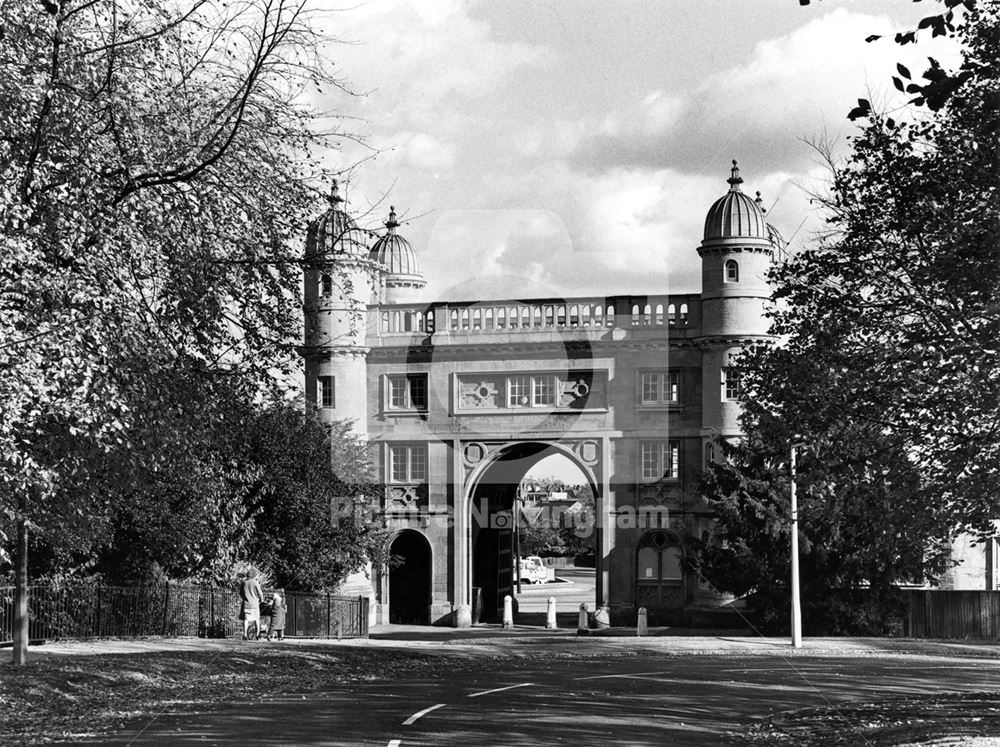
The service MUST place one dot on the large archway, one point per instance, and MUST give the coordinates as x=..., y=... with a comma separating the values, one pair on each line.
x=409, y=579
x=502, y=515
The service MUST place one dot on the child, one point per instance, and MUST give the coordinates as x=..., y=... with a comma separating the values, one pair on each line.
x=277, y=624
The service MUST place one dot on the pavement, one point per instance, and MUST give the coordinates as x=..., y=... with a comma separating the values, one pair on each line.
x=492, y=640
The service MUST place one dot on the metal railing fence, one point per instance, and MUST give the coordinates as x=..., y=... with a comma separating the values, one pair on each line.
x=68, y=611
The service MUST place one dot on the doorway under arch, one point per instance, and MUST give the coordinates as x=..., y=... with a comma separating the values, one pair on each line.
x=496, y=527
x=409, y=579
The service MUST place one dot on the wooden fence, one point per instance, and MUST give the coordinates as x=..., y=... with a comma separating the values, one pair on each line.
x=951, y=614
x=92, y=611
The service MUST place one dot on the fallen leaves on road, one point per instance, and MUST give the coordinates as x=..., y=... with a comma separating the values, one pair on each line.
x=940, y=719
x=75, y=697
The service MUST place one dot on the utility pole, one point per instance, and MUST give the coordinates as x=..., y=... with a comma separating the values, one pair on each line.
x=517, y=537
x=796, y=605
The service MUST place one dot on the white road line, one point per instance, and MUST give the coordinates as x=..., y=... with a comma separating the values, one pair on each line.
x=500, y=689
x=618, y=676
x=393, y=743
x=424, y=712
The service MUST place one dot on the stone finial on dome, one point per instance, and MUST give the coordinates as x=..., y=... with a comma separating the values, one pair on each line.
x=735, y=180
x=760, y=202
x=392, y=223
x=335, y=198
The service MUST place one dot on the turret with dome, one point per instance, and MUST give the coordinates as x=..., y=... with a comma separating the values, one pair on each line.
x=393, y=252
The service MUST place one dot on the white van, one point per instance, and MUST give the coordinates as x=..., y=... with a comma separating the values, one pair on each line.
x=533, y=571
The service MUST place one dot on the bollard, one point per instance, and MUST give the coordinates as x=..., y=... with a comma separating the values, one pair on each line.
x=642, y=627
x=508, y=612
x=583, y=626
x=550, y=615
x=463, y=616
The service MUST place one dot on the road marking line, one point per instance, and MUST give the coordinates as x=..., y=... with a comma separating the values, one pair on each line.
x=500, y=689
x=618, y=676
x=394, y=743
x=424, y=712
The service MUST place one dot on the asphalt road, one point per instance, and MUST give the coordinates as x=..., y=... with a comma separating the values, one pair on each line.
x=642, y=700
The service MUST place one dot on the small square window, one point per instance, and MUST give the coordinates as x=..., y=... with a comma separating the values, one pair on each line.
x=408, y=463
x=659, y=460
x=660, y=387
x=407, y=392
x=543, y=391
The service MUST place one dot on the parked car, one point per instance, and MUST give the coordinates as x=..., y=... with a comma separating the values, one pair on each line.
x=534, y=571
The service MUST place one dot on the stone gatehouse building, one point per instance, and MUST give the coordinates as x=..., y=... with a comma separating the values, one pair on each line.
x=460, y=398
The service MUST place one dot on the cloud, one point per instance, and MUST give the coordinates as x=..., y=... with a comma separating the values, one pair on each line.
x=795, y=86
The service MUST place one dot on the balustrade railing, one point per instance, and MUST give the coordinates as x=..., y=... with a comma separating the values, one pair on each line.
x=586, y=314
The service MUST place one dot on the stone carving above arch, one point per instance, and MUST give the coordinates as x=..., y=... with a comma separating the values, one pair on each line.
x=473, y=453
x=588, y=451
x=406, y=498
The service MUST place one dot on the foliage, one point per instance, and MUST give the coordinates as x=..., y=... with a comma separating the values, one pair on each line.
x=313, y=500
x=888, y=366
x=154, y=182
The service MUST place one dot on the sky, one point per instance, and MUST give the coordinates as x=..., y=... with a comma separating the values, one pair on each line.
x=571, y=148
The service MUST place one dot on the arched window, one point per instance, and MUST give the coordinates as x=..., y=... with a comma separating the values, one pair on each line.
x=671, y=314
x=477, y=319
x=647, y=315
x=732, y=271
x=488, y=314
x=659, y=571
x=599, y=316
x=709, y=453
x=585, y=315
x=454, y=318
x=429, y=325
x=502, y=318
x=385, y=321
x=684, y=313
x=610, y=316
x=407, y=321
x=659, y=313
x=574, y=316
x=465, y=318
x=326, y=284
x=635, y=315
x=395, y=321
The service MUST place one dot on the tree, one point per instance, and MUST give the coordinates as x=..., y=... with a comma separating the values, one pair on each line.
x=888, y=365
x=155, y=170
x=312, y=500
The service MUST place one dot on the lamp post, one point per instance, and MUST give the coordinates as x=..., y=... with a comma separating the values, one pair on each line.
x=796, y=606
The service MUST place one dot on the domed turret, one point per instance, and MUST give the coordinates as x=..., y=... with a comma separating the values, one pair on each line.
x=340, y=282
x=402, y=270
x=334, y=233
x=736, y=256
x=735, y=215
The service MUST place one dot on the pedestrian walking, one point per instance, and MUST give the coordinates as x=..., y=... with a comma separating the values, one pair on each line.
x=251, y=595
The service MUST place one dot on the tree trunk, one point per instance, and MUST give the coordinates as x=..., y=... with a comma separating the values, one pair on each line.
x=20, y=655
